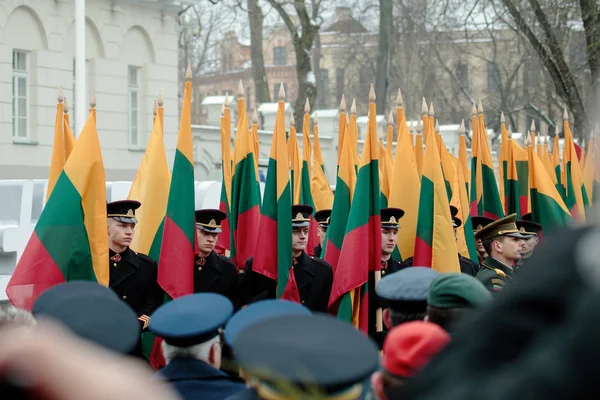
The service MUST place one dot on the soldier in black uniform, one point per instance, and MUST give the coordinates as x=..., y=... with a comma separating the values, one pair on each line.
x=467, y=266
x=212, y=272
x=314, y=277
x=133, y=276
x=503, y=243
x=389, y=238
x=322, y=218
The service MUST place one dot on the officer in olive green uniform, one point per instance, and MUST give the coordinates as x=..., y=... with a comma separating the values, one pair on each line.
x=503, y=244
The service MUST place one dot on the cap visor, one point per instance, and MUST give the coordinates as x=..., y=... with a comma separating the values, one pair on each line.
x=517, y=235
x=209, y=230
x=390, y=226
x=126, y=220
x=300, y=224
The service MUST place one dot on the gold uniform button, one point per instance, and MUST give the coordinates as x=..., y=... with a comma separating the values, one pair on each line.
x=383, y=272
x=199, y=268
x=302, y=301
x=124, y=297
x=115, y=264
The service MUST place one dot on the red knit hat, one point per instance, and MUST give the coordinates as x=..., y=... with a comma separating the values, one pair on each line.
x=409, y=347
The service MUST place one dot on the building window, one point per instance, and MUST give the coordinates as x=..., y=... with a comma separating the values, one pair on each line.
x=133, y=88
x=323, y=85
x=276, y=91
x=493, y=80
x=279, y=56
x=20, y=94
x=339, y=82
x=461, y=71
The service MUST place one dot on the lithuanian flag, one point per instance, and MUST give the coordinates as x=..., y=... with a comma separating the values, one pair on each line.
x=406, y=183
x=352, y=135
x=69, y=137
x=460, y=200
x=476, y=188
x=558, y=168
x=295, y=163
x=305, y=181
x=386, y=166
x=435, y=245
x=465, y=240
x=273, y=257
x=59, y=156
x=225, y=237
x=576, y=195
x=344, y=190
x=590, y=172
x=254, y=132
x=361, y=250
x=176, y=263
x=492, y=206
x=244, y=217
x=151, y=188
x=319, y=186
x=419, y=149
x=511, y=182
x=70, y=240
x=503, y=161
x=547, y=207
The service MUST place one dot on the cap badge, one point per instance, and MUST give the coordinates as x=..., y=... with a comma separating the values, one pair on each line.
x=479, y=226
x=393, y=219
x=299, y=216
x=522, y=229
x=212, y=222
x=130, y=213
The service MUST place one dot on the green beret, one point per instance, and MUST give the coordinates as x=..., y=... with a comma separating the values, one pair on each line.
x=452, y=290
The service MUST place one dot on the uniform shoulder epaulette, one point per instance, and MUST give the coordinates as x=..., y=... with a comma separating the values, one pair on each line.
x=321, y=261
x=500, y=272
x=225, y=259
x=144, y=257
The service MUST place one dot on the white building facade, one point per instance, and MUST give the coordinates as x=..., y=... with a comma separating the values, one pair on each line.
x=131, y=48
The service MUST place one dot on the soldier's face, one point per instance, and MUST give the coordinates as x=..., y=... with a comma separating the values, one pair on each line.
x=299, y=239
x=529, y=246
x=510, y=247
x=480, y=248
x=389, y=237
x=321, y=233
x=120, y=234
x=206, y=241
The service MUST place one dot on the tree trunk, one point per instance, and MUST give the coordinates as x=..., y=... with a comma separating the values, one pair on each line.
x=320, y=102
x=261, y=85
x=303, y=43
x=384, y=54
x=307, y=87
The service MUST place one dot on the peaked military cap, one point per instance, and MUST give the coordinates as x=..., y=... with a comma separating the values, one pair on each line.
x=390, y=217
x=527, y=227
x=407, y=289
x=65, y=290
x=123, y=211
x=479, y=221
x=191, y=319
x=209, y=220
x=301, y=215
x=322, y=217
x=456, y=221
x=306, y=356
x=97, y=315
x=455, y=290
x=502, y=227
x=260, y=311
